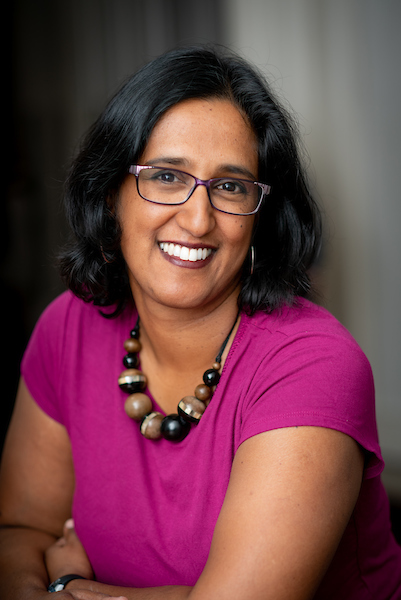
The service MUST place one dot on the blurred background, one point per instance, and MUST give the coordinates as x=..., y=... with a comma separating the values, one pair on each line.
x=335, y=62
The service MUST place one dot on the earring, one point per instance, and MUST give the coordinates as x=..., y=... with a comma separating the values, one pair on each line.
x=252, y=249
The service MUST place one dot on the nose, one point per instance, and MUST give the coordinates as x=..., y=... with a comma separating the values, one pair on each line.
x=197, y=215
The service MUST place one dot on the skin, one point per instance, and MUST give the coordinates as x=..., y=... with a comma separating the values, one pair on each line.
x=291, y=492
x=179, y=304
x=207, y=139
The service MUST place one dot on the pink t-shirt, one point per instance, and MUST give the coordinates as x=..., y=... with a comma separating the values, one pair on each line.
x=144, y=510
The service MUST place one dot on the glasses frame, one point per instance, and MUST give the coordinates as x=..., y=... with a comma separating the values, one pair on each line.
x=136, y=169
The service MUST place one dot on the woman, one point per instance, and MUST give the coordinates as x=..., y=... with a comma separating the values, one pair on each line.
x=194, y=229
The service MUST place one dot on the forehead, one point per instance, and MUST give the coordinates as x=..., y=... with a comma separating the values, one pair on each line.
x=213, y=128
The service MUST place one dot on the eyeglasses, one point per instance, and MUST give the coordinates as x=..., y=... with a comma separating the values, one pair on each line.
x=226, y=194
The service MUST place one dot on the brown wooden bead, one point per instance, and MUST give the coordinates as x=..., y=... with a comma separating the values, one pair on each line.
x=138, y=406
x=203, y=392
x=132, y=345
x=216, y=366
x=191, y=409
x=151, y=426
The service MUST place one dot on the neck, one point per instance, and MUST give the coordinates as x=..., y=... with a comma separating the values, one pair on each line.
x=185, y=339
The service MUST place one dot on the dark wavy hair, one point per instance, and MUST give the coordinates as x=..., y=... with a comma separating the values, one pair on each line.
x=287, y=230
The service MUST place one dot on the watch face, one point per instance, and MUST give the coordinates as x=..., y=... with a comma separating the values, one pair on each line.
x=56, y=586
x=61, y=582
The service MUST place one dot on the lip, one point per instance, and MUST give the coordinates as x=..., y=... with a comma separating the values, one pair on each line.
x=188, y=255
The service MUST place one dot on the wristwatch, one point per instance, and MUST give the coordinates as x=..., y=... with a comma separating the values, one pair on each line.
x=61, y=582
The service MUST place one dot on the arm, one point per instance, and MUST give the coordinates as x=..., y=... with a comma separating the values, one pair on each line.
x=36, y=487
x=291, y=494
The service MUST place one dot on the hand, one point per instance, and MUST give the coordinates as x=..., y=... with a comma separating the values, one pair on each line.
x=67, y=555
x=79, y=595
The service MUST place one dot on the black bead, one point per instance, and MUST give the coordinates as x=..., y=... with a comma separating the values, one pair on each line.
x=135, y=332
x=132, y=387
x=130, y=361
x=174, y=428
x=211, y=377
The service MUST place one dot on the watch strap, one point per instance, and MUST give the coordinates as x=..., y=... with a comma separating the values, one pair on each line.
x=61, y=582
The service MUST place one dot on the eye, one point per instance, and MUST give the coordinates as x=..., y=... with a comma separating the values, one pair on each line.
x=166, y=176
x=231, y=186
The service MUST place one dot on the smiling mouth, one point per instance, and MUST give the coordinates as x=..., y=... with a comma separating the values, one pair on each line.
x=185, y=253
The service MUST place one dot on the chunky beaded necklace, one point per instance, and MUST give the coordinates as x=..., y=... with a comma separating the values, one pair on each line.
x=138, y=406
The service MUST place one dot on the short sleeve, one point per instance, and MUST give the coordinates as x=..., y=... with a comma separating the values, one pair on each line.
x=317, y=379
x=41, y=363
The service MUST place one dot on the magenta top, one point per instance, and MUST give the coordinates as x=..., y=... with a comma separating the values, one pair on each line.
x=146, y=510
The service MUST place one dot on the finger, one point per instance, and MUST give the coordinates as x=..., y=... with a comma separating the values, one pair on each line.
x=88, y=595
x=70, y=535
x=60, y=542
x=68, y=526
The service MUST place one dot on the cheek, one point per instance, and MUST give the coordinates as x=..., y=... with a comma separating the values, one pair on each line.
x=130, y=216
x=126, y=228
x=240, y=234
x=130, y=227
x=140, y=222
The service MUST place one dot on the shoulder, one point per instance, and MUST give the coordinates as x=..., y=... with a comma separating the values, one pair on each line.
x=69, y=341
x=47, y=342
x=67, y=312
x=69, y=325
x=64, y=306
x=304, y=368
x=302, y=317
x=304, y=330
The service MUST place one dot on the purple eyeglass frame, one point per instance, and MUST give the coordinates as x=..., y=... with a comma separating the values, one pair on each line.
x=136, y=169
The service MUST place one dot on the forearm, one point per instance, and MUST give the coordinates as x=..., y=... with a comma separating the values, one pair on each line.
x=22, y=570
x=166, y=592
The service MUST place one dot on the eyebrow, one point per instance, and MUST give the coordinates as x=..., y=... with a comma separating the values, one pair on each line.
x=183, y=162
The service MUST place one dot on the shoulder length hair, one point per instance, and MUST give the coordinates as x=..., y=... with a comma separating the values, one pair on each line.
x=287, y=229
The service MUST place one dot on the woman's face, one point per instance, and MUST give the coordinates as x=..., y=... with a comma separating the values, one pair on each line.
x=206, y=138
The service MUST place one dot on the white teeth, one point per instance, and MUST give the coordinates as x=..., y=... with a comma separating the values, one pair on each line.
x=185, y=253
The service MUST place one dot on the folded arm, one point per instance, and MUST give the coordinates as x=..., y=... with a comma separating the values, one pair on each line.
x=290, y=497
x=36, y=489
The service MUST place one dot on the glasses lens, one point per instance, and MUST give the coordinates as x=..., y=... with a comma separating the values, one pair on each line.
x=170, y=186
x=235, y=196
x=165, y=186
